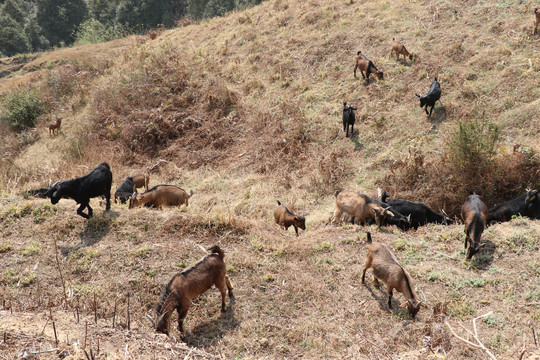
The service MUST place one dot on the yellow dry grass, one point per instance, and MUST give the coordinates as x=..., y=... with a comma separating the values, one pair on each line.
x=252, y=105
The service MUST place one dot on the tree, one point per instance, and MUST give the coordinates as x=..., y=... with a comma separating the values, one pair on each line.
x=217, y=8
x=38, y=42
x=60, y=18
x=12, y=8
x=12, y=37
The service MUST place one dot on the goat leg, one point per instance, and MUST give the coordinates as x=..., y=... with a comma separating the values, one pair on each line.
x=81, y=208
x=390, y=298
x=296, y=229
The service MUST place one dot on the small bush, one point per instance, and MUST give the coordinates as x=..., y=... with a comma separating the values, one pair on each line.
x=21, y=108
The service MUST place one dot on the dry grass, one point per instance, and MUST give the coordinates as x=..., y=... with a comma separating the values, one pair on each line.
x=245, y=110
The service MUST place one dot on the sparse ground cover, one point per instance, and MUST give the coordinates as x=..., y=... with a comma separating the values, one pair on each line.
x=245, y=110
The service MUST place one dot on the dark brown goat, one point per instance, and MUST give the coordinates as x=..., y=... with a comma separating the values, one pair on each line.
x=387, y=269
x=55, y=127
x=286, y=218
x=537, y=13
x=189, y=284
x=366, y=66
x=400, y=49
x=473, y=213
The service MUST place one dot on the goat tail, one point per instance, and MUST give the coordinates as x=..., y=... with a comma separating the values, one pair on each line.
x=217, y=250
x=369, y=241
x=279, y=202
x=338, y=191
x=359, y=52
x=191, y=192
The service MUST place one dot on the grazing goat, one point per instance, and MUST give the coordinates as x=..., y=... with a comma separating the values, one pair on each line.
x=141, y=180
x=419, y=213
x=366, y=66
x=125, y=190
x=537, y=13
x=432, y=96
x=55, y=127
x=473, y=213
x=348, y=118
x=527, y=204
x=96, y=183
x=359, y=206
x=398, y=219
x=189, y=284
x=400, y=49
x=161, y=195
x=285, y=217
x=387, y=269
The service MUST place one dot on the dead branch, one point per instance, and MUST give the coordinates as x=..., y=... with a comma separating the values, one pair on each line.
x=478, y=344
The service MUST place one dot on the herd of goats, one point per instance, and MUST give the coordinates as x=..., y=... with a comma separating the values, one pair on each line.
x=351, y=206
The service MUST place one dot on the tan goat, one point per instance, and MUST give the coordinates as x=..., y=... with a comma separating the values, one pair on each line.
x=55, y=127
x=141, y=180
x=387, y=269
x=161, y=195
x=359, y=206
x=366, y=66
x=189, y=284
x=286, y=218
x=400, y=49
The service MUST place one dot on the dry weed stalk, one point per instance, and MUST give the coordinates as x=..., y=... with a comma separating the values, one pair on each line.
x=478, y=344
x=60, y=272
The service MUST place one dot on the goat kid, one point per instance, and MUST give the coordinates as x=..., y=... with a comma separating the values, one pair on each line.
x=125, y=190
x=400, y=49
x=366, y=66
x=55, y=127
x=141, y=180
x=286, y=218
x=387, y=269
x=348, y=118
x=473, y=213
x=189, y=284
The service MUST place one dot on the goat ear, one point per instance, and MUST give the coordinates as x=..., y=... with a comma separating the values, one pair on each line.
x=409, y=218
x=296, y=218
x=375, y=211
x=389, y=212
x=404, y=304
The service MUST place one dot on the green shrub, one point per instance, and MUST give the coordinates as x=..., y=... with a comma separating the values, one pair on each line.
x=21, y=108
x=92, y=31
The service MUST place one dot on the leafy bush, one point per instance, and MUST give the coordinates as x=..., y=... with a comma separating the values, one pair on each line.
x=92, y=31
x=472, y=161
x=21, y=108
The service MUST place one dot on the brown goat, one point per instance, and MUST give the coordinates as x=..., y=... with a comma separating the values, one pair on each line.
x=387, y=269
x=55, y=127
x=359, y=206
x=286, y=218
x=189, y=284
x=366, y=66
x=537, y=13
x=161, y=195
x=473, y=213
x=400, y=49
x=141, y=180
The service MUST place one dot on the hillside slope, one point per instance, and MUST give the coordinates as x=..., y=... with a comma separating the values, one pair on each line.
x=245, y=110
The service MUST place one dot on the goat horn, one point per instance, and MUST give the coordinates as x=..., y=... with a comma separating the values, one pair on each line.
x=444, y=213
x=151, y=320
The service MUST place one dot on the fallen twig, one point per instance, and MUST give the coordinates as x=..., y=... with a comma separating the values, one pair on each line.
x=479, y=344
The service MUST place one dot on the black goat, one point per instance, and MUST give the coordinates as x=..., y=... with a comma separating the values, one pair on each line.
x=96, y=183
x=419, y=213
x=125, y=190
x=432, y=96
x=348, y=118
x=527, y=204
